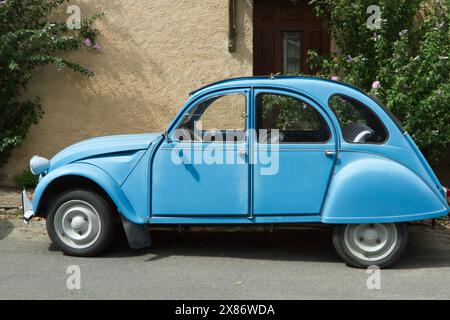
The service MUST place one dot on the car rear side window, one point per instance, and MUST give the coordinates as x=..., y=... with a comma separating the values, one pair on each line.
x=285, y=119
x=359, y=124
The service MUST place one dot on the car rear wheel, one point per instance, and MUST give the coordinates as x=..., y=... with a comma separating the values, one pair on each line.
x=364, y=245
x=81, y=223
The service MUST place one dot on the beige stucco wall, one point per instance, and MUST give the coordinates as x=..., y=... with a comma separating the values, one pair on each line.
x=154, y=52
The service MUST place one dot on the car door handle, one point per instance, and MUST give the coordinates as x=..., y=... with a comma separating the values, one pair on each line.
x=243, y=152
x=330, y=153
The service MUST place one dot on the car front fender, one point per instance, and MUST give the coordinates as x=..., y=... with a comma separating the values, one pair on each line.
x=368, y=188
x=96, y=175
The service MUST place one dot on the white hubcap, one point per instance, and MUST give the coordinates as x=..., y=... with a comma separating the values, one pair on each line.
x=77, y=224
x=371, y=242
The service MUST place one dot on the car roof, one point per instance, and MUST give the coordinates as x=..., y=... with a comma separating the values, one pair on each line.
x=308, y=83
x=292, y=81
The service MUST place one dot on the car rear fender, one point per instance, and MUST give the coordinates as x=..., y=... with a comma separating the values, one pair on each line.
x=368, y=188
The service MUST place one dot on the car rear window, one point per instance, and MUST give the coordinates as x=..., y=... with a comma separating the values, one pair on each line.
x=359, y=124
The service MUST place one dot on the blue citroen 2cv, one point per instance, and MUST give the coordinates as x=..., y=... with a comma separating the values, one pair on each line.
x=257, y=150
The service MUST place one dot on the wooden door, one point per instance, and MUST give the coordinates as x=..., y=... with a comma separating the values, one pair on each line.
x=284, y=31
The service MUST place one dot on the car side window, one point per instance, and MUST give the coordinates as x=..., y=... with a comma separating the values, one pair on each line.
x=359, y=124
x=221, y=118
x=285, y=119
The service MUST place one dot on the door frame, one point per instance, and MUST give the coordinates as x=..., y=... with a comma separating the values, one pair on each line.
x=247, y=92
x=324, y=112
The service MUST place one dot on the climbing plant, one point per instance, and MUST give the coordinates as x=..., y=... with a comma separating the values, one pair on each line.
x=30, y=39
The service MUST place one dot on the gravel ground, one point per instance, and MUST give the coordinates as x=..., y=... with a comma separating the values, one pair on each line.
x=10, y=201
x=10, y=196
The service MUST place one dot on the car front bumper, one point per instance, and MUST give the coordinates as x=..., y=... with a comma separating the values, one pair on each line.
x=27, y=206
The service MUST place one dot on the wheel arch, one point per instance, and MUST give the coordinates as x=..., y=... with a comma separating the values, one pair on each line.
x=66, y=183
x=81, y=175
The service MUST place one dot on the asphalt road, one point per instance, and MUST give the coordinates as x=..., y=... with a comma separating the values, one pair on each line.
x=218, y=265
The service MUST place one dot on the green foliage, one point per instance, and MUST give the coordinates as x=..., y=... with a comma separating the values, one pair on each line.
x=405, y=63
x=27, y=41
x=346, y=111
x=25, y=179
x=289, y=113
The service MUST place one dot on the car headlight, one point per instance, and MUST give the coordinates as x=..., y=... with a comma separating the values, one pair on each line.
x=39, y=165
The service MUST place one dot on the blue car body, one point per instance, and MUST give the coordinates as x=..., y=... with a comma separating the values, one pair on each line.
x=333, y=182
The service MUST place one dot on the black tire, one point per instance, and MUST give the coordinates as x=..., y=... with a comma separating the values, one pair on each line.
x=344, y=251
x=104, y=235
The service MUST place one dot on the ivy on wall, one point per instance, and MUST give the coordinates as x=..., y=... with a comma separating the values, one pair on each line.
x=28, y=40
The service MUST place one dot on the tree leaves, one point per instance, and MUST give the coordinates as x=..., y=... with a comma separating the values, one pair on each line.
x=408, y=56
x=28, y=40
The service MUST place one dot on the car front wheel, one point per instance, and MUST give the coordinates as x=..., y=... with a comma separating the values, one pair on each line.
x=364, y=245
x=81, y=223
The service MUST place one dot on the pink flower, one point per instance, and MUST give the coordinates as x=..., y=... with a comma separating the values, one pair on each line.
x=87, y=42
x=376, y=84
x=97, y=47
x=335, y=78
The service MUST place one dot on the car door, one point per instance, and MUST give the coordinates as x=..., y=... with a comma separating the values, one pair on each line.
x=294, y=159
x=203, y=170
